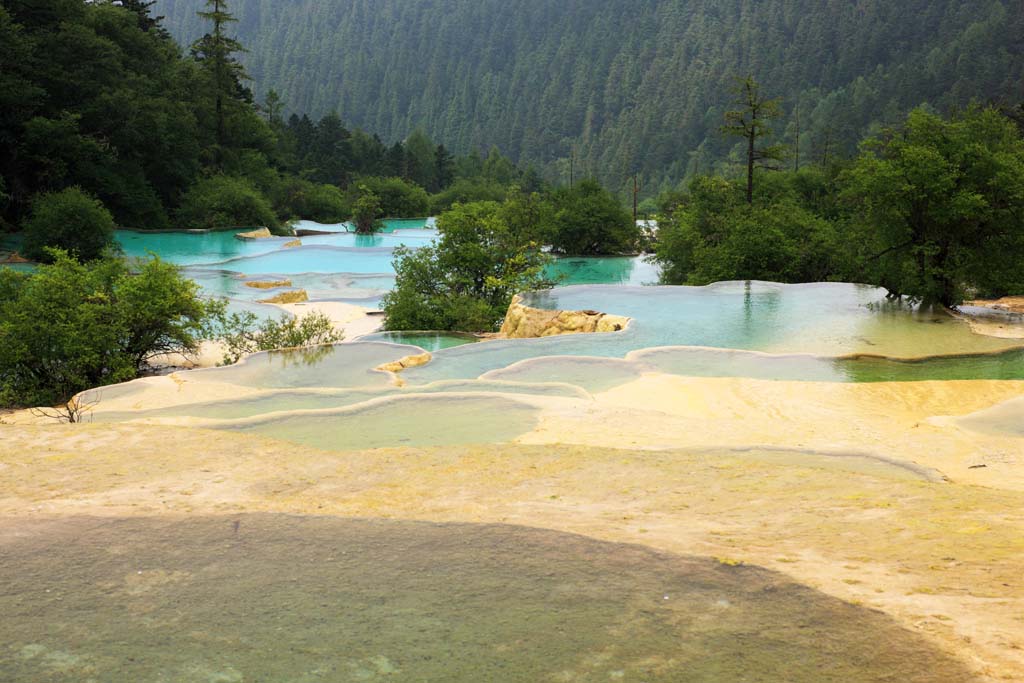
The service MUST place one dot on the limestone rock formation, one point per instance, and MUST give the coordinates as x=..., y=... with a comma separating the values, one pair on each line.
x=293, y=243
x=523, y=322
x=15, y=257
x=395, y=367
x=260, y=234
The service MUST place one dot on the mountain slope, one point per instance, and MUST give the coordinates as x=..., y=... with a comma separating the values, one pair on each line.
x=632, y=85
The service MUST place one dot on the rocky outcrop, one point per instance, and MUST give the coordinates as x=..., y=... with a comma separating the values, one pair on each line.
x=395, y=367
x=292, y=244
x=260, y=234
x=268, y=284
x=295, y=296
x=15, y=257
x=524, y=322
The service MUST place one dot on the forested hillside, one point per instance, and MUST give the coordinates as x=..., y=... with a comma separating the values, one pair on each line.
x=631, y=85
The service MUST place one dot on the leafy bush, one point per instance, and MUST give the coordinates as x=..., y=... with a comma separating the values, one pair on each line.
x=226, y=202
x=466, y=280
x=366, y=212
x=324, y=204
x=589, y=220
x=398, y=198
x=244, y=333
x=938, y=206
x=70, y=220
x=300, y=198
x=715, y=235
x=465, y=190
x=71, y=326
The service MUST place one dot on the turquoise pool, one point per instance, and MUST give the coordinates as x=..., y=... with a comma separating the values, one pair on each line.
x=337, y=266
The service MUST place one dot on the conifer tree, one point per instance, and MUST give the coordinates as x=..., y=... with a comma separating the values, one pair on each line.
x=750, y=122
x=216, y=52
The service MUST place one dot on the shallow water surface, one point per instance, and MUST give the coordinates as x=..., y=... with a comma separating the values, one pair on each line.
x=265, y=597
x=436, y=420
x=338, y=366
x=428, y=341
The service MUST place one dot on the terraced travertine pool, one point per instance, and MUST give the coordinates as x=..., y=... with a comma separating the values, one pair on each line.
x=824, y=381
x=824, y=332
x=338, y=265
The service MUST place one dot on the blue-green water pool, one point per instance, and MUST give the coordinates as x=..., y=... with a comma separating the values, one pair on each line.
x=337, y=266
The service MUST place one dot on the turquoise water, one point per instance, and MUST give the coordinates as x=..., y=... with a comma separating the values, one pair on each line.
x=339, y=266
x=467, y=392
x=600, y=270
x=820, y=321
x=264, y=597
x=831, y=332
x=428, y=341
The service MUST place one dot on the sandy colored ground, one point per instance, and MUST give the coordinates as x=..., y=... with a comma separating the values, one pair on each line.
x=873, y=493
x=999, y=318
x=349, y=318
x=902, y=421
x=944, y=559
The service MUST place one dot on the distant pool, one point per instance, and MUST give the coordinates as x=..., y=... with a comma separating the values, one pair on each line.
x=338, y=265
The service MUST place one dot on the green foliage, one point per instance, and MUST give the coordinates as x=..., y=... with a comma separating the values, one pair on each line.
x=938, y=206
x=70, y=220
x=714, y=235
x=71, y=326
x=366, y=212
x=225, y=202
x=320, y=203
x=631, y=86
x=588, y=220
x=398, y=198
x=466, y=190
x=931, y=210
x=751, y=123
x=244, y=333
x=467, y=279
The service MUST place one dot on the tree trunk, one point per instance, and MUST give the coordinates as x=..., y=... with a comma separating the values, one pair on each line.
x=750, y=166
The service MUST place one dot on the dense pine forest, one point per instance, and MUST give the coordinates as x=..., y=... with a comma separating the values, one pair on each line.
x=99, y=102
x=623, y=86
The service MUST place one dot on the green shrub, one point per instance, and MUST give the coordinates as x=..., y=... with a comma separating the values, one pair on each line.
x=70, y=220
x=226, y=202
x=466, y=280
x=398, y=198
x=71, y=326
x=465, y=190
x=714, y=235
x=299, y=198
x=367, y=212
x=244, y=333
x=324, y=204
x=589, y=220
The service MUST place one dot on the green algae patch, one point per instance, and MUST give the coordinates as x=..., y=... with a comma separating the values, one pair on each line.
x=285, y=598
